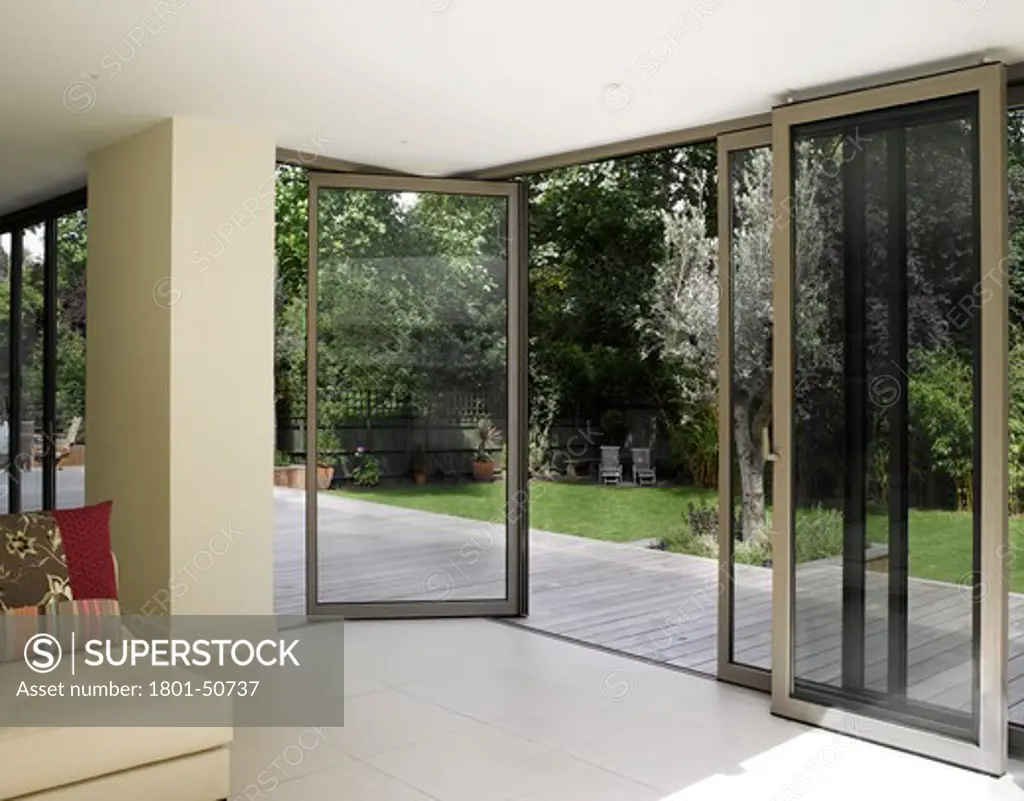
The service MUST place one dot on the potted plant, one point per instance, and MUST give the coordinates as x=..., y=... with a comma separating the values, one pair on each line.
x=366, y=468
x=483, y=463
x=327, y=447
x=288, y=470
x=420, y=464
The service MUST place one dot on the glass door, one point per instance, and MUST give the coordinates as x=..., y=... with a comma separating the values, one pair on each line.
x=415, y=465
x=889, y=510
x=745, y=225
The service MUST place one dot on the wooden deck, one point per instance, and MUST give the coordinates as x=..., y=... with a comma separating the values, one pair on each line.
x=654, y=604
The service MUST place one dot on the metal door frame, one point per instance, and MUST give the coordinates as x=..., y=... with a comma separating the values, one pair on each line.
x=728, y=669
x=516, y=509
x=989, y=753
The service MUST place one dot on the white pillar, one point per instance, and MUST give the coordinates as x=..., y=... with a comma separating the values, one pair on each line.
x=179, y=370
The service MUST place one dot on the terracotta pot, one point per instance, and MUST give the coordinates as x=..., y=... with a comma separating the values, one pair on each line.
x=324, y=477
x=419, y=478
x=483, y=471
x=293, y=475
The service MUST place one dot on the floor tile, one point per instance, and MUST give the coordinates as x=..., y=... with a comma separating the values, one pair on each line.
x=594, y=785
x=349, y=779
x=471, y=710
x=260, y=755
x=390, y=719
x=478, y=763
x=488, y=694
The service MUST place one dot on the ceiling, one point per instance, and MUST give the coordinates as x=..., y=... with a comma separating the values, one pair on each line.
x=441, y=86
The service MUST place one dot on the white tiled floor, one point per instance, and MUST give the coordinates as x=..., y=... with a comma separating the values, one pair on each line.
x=474, y=710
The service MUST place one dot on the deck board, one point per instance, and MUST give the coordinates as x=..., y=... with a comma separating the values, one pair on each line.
x=650, y=603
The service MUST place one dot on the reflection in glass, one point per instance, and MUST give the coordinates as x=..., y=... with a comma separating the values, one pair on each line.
x=751, y=276
x=411, y=395
x=886, y=321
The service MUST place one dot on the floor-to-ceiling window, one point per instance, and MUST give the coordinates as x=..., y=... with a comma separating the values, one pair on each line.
x=42, y=355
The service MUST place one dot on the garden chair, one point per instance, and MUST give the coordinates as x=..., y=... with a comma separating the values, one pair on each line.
x=643, y=471
x=63, y=445
x=611, y=467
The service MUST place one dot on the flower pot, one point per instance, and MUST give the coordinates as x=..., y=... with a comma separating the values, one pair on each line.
x=292, y=475
x=324, y=477
x=483, y=471
x=419, y=478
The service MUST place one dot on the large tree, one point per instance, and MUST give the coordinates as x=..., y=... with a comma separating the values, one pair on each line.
x=685, y=304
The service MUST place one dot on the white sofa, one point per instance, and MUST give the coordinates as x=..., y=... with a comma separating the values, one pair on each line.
x=107, y=764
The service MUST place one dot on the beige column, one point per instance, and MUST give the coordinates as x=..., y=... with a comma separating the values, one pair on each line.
x=179, y=369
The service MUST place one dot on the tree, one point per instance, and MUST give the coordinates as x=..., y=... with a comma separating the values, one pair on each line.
x=684, y=312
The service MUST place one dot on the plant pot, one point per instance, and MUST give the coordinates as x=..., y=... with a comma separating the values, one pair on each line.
x=419, y=478
x=483, y=471
x=324, y=477
x=292, y=475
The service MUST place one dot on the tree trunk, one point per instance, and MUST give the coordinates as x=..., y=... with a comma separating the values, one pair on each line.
x=751, y=463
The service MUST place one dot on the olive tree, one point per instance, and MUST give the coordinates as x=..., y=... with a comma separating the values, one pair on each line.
x=685, y=303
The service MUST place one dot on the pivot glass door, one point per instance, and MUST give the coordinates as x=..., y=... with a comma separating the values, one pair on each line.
x=890, y=412
x=415, y=459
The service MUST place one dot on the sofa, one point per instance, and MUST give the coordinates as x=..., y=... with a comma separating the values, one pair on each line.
x=83, y=763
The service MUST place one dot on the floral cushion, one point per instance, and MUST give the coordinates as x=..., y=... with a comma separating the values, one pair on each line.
x=33, y=565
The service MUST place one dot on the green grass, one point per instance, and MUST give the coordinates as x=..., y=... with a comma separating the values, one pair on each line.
x=617, y=514
x=940, y=541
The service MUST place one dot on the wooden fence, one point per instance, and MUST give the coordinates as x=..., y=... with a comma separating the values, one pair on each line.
x=392, y=429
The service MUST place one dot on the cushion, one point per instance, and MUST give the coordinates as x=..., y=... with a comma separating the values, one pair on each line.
x=33, y=565
x=96, y=618
x=86, y=535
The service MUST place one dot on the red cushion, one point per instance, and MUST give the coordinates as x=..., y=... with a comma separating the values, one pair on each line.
x=86, y=535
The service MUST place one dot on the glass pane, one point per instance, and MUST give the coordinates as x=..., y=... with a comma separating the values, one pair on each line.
x=292, y=248
x=752, y=227
x=29, y=452
x=886, y=324
x=818, y=407
x=411, y=396
x=71, y=427
x=1015, y=555
x=5, y=364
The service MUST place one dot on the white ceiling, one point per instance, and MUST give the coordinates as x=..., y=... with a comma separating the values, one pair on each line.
x=440, y=86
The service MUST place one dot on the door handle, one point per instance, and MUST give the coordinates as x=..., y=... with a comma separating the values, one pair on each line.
x=766, y=446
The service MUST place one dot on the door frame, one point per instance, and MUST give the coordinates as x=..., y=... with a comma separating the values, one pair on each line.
x=515, y=512
x=727, y=669
x=989, y=753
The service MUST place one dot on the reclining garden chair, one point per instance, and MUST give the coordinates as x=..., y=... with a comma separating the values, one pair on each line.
x=611, y=467
x=63, y=446
x=643, y=471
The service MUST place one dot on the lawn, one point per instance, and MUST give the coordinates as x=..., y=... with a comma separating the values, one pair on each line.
x=940, y=541
x=618, y=514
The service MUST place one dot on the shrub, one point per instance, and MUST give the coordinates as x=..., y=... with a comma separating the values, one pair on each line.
x=366, y=469
x=693, y=447
x=819, y=534
x=703, y=520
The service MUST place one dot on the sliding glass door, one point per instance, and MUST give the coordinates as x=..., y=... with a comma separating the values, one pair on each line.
x=890, y=408
x=415, y=457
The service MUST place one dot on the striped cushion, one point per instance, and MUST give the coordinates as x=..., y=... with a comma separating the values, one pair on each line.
x=98, y=618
